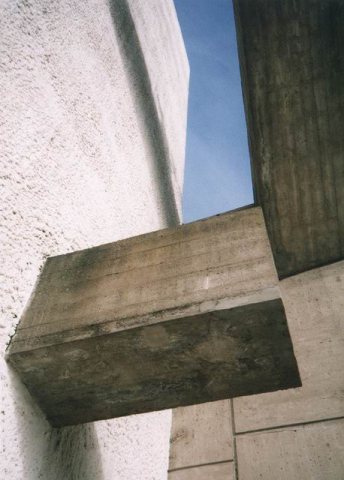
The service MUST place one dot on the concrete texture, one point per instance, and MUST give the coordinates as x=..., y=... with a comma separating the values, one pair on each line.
x=169, y=87
x=293, y=76
x=201, y=434
x=292, y=68
x=171, y=318
x=76, y=170
x=219, y=263
x=310, y=452
x=211, y=356
x=314, y=305
x=293, y=81
x=221, y=471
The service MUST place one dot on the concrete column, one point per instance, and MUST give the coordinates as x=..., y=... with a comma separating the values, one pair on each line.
x=292, y=67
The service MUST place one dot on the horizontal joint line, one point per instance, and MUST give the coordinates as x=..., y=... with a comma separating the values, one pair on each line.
x=289, y=425
x=200, y=465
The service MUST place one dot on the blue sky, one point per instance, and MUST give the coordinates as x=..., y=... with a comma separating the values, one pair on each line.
x=217, y=170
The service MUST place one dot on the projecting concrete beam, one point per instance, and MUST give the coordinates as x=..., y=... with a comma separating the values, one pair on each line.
x=292, y=66
x=171, y=318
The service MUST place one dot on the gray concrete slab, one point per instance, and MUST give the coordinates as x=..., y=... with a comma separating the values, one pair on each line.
x=311, y=452
x=292, y=68
x=172, y=318
x=201, y=434
x=222, y=471
x=217, y=263
x=314, y=303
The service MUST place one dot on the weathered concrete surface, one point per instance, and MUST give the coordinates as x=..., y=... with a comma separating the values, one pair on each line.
x=221, y=471
x=77, y=170
x=218, y=263
x=292, y=66
x=314, y=304
x=310, y=452
x=171, y=318
x=201, y=434
x=211, y=356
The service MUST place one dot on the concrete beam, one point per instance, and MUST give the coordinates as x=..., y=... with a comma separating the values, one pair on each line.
x=176, y=317
x=292, y=67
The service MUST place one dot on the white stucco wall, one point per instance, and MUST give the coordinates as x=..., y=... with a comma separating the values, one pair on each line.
x=168, y=87
x=78, y=168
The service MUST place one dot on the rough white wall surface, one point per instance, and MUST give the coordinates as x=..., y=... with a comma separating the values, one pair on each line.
x=149, y=34
x=77, y=168
x=168, y=86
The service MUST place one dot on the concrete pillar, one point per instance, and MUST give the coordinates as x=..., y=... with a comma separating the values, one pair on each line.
x=292, y=67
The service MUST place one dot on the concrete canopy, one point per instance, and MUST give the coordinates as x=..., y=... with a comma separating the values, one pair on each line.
x=175, y=317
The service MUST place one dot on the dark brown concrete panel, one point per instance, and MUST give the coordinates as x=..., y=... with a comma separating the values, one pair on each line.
x=292, y=64
x=204, y=358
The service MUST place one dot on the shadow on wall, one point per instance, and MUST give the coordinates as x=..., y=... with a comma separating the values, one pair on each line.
x=134, y=61
x=68, y=453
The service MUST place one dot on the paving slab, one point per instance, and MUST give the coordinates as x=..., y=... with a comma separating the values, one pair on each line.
x=314, y=303
x=223, y=471
x=310, y=452
x=201, y=434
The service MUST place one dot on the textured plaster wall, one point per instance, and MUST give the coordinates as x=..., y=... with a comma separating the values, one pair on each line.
x=79, y=167
x=169, y=85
